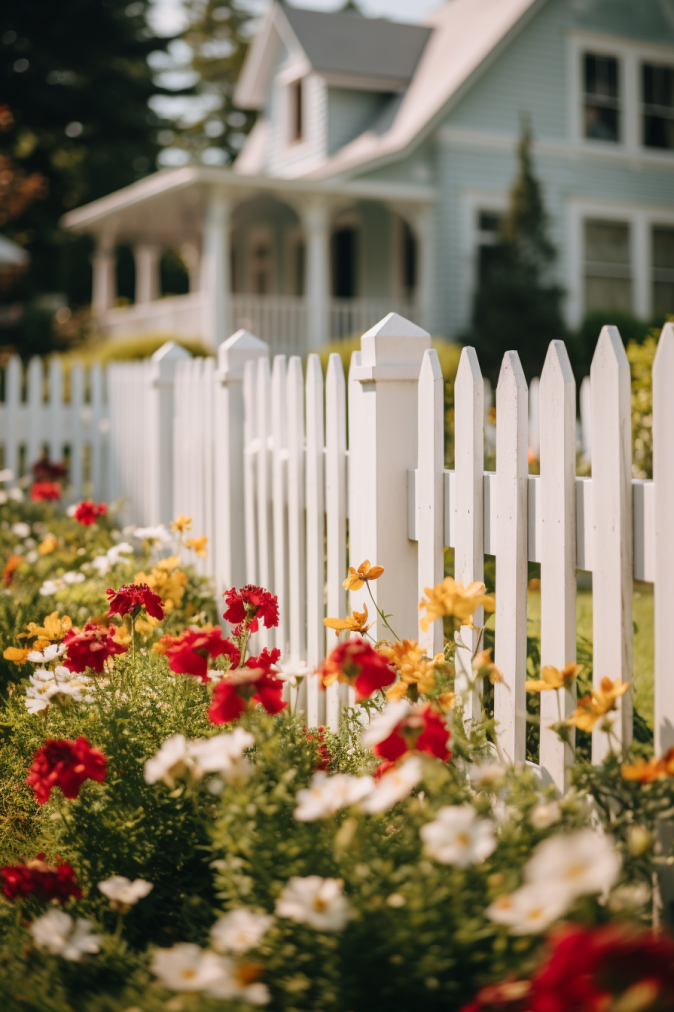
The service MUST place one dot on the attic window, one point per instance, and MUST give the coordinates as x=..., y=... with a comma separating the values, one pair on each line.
x=296, y=111
x=658, y=106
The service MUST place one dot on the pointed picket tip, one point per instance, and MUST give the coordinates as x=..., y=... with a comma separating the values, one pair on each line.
x=610, y=351
x=355, y=363
x=170, y=352
x=511, y=375
x=394, y=341
x=430, y=367
x=557, y=367
x=237, y=350
x=314, y=369
x=279, y=365
x=469, y=371
x=335, y=371
x=664, y=354
x=295, y=367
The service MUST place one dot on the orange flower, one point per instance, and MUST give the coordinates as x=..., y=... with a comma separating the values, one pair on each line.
x=17, y=655
x=552, y=678
x=646, y=772
x=48, y=545
x=198, y=545
x=363, y=574
x=483, y=666
x=592, y=708
x=181, y=523
x=357, y=622
x=12, y=562
x=162, y=645
x=54, y=628
x=415, y=669
x=452, y=598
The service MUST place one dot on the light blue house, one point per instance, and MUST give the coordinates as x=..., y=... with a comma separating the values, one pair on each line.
x=381, y=160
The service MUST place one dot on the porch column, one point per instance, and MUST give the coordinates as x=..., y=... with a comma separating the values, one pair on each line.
x=422, y=226
x=316, y=221
x=216, y=269
x=192, y=260
x=147, y=273
x=104, y=264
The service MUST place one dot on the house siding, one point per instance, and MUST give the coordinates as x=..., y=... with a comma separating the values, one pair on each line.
x=349, y=113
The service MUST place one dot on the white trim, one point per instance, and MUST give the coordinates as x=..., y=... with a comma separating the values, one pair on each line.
x=472, y=202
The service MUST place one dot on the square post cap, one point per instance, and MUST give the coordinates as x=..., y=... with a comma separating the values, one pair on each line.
x=392, y=350
x=238, y=349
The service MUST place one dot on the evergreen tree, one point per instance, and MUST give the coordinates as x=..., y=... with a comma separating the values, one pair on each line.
x=516, y=305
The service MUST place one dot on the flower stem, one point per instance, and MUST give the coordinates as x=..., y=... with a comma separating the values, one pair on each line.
x=381, y=613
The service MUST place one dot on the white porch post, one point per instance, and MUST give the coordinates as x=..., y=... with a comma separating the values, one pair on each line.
x=192, y=259
x=104, y=281
x=216, y=270
x=147, y=273
x=316, y=221
x=422, y=225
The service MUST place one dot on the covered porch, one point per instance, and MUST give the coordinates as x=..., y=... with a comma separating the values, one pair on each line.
x=297, y=263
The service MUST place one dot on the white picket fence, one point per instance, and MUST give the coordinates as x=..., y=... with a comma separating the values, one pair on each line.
x=292, y=480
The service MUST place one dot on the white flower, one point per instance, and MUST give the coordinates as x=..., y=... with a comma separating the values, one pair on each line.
x=240, y=930
x=104, y=563
x=169, y=763
x=47, y=684
x=326, y=795
x=292, y=669
x=3, y=497
x=530, y=909
x=122, y=891
x=546, y=813
x=394, y=785
x=157, y=533
x=187, y=967
x=318, y=902
x=582, y=863
x=485, y=774
x=221, y=754
x=383, y=725
x=16, y=494
x=32, y=557
x=457, y=836
x=50, y=653
x=20, y=529
x=235, y=983
x=72, y=510
x=57, y=933
x=50, y=587
x=73, y=577
x=101, y=564
x=6, y=474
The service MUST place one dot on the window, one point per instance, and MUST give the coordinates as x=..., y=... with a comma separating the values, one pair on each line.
x=344, y=243
x=296, y=111
x=488, y=225
x=602, y=105
x=608, y=275
x=657, y=84
x=663, y=270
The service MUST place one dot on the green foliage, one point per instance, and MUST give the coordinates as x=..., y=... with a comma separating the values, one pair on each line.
x=641, y=356
x=129, y=348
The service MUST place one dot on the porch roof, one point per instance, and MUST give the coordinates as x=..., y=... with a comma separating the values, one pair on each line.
x=168, y=206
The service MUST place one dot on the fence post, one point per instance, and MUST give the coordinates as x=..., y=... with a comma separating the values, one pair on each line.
x=230, y=563
x=663, y=474
x=161, y=408
x=430, y=493
x=612, y=551
x=392, y=353
x=558, y=549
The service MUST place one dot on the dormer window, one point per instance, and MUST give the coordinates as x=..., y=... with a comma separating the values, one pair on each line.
x=602, y=97
x=657, y=83
x=296, y=95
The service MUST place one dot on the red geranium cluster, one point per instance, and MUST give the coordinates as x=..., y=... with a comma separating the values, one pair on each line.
x=90, y=648
x=323, y=755
x=87, y=511
x=593, y=970
x=45, y=469
x=37, y=878
x=132, y=598
x=422, y=730
x=188, y=653
x=357, y=664
x=251, y=605
x=45, y=490
x=253, y=683
x=65, y=764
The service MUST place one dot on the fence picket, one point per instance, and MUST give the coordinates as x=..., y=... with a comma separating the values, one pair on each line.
x=297, y=602
x=335, y=506
x=315, y=498
x=511, y=556
x=558, y=549
x=357, y=598
x=663, y=474
x=279, y=496
x=55, y=411
x=250, y=467
x=76, y=433
x=612, y=495
x=34, y=412
x=430, y=491
x=264, y=515
x=98, y=490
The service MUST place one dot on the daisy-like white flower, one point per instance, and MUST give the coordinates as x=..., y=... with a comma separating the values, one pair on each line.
x=582, y=863
x=457, y=836
x=50, y=587
x=394, y=786
x=20, y=529
x=104, y=563
x=123, y=893
x=221, y=754
x=292, y=668
x=169, y=763
x=158, y=534
x=187, y=967
x=16, y=494
x=240, y=930
x=326, y=795
x=238, y=982
x=383, y=724
x=45, y=685
x=50, y=653
x=318, y=902
x=57, y=933
x=73, y=577
x=530, y=909
x=545, y=814
x=485, y=774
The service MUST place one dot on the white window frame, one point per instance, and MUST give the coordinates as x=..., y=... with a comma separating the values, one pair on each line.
x=630, y=56
x=287, y=78
x=473, y=203
x=641, y=220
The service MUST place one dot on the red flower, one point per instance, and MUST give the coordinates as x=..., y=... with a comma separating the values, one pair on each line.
x=46, y=882
x=265, y=660
x=357, y=664
x=45, y=469
x=188, y=653
x=251, y=605
x=324, y=757
x=238, y=689
x=65, y=764
x=87, y=511
x=45, y=490
x=422, y=730
x=383, y=768
x=90, y=648
x=131, y=599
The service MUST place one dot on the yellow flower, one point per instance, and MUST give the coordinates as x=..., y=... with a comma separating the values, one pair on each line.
x=592, y=708
x=483, y=666
x=146, y=626
x=363, y=574
x=655, y=769
x=354, y=623
x=414, y=668
x=17, y=655
x=121, y=634
x=54, y=628
x=446, y=701
x=167, y=581
x=198, y=544
x=553, y=678
x=451, y=598
x=48, y=545
x=181, y=523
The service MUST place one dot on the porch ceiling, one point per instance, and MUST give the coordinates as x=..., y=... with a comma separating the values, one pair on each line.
x=168, y=207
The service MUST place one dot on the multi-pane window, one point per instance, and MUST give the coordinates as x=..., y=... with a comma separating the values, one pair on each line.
x=296, y=95
x=663, y=270
x=602, y=97
x=608, y=275
x=657, y=89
